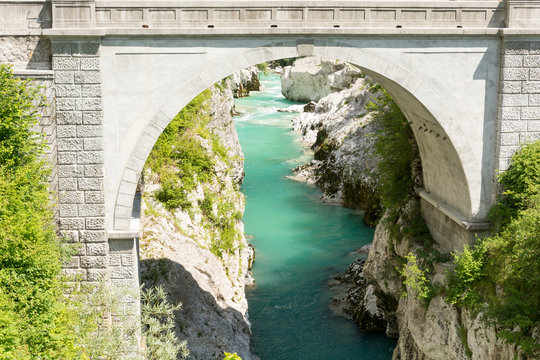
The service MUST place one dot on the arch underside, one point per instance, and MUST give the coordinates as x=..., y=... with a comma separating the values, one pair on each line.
x=446, y=132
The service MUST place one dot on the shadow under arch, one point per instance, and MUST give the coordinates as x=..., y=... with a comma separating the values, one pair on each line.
x=450, y=166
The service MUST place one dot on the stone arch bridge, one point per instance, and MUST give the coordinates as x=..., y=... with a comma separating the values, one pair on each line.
x=465, y=73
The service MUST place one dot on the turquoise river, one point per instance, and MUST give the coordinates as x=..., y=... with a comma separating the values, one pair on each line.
x=300, y=244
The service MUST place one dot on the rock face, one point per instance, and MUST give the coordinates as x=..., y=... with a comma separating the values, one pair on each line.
x=338, y=129
x=175, y=250
x=313, y=78
x=245, y=81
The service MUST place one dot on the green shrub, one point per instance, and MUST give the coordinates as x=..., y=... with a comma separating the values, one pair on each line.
x=33, y=319
x=416, y=279
x=157, y=316
x=499, y=275
x=463, y=279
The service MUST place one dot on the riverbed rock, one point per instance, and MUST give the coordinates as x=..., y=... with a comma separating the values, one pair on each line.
x=340, y=130
x=313, y=78
x=244, y=81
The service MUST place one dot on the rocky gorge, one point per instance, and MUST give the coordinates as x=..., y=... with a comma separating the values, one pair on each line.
x=197, y=251
x=338, y=125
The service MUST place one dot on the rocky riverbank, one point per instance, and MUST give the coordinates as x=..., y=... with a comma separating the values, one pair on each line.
x=339, y=127
x=197, y=251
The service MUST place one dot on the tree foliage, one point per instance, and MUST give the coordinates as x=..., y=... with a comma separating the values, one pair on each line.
x=33, y=321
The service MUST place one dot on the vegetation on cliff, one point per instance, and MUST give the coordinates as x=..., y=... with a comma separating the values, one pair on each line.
x=182, y=162
x=499, y=275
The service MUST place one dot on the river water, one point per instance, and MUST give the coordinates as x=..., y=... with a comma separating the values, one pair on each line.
x=300, y=244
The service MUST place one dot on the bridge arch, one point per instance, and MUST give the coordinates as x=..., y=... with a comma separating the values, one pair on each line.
x=452, y=169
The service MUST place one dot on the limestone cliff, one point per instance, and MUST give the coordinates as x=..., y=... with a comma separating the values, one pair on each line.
x=339, y=129
x=198, y=251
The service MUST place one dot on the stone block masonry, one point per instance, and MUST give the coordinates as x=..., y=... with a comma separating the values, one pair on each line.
x=519, y=92
x=81, y=195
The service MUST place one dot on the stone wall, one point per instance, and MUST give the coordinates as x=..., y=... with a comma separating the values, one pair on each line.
x=519, y=103
x=26, y=52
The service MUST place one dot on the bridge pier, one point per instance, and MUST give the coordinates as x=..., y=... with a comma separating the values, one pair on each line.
x=80, y=156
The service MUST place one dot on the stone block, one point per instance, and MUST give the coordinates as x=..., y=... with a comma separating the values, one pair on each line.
x=534, y=74
x=65, y=63
x=511, y=87
x=91, y=210
x=69, y=117
x=64, y=77
x=100, y=248
x=531, y=61
x=507, y=151
x=72, y=224
x=94, y=262
x=90, y=157
x=515, y=100
x=511, y=74
x=93, y=144
x=115, y=260
x=87, y=77
x=529, y=137
x=90, y=63
x=71, y=197
x=66, y=158
x=510, y=113
x=516, y=48
x=90, y=184
x=504, y=163
x=512, y=61
x=66, y=131
x=93, y=236
x=70, y=171
x=92, y=117
x=94, y=130
x=68, y=90
x=73, y=263
x=91, y=91
x=75, y=274
x=96, y=274
x=513, y=126
x=68, y=210
x=121, y=272
x=534, y=100
x=69, y=236
x=94, y=197
x=67, y=144
x=63, y=104
x=530, y=113
x=509, y=139
x=533, y=126
x=95, y=223
x=92, y=104
x=531, y=87
x=91, y=171
x=67, y=184
x=127, y=259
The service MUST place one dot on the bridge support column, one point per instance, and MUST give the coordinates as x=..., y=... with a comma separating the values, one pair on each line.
x=80, y=158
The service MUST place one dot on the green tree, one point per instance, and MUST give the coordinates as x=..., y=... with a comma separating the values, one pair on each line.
x=32, y=314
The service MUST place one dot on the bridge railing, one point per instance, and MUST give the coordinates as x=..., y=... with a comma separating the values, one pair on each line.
x=276, y=14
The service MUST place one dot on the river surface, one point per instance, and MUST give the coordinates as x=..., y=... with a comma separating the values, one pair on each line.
x=300, y=244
